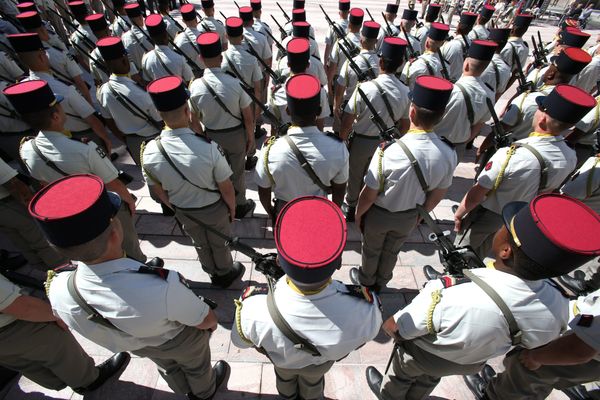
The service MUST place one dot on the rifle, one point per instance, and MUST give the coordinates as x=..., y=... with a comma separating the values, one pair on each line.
x=369, y=14
x=467, y=45
x=282, y=31
x=539, y=58
x=75, y=29
x=411, y=50
x=279, y=46
x=281, y=127
x=385, y=133
x=500, y=138
x=524, y=84
x=453, y=258
x=236, y=4
x=177, y=24
x=541, y=45
x=287, y=17
x=351, y=47
x=443, y=61
x=387, y=25
x=276, y=78
x=223, y=15
x=360, y=74
x=191, y=63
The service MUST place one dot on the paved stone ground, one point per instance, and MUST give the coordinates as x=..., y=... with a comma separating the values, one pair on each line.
x=252, y=375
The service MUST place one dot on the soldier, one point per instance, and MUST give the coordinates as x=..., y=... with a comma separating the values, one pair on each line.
x=12, y=127
x=10, y=71
x=408, y=21
x=32, y=21
x=388, y=28
x=385, y=93
x=307, y=301
x=352, y=39
x=99, y=28
x=395, y=184
x=368, y=64
x=584, y=138
x=256, y=40
x=298, y=15
x=121, y=23
x=536, y=164
x=588, y=78
x=117, y=303
x=331, y=38
x=17, y=224
x=479, y=31
x=51, y=154
x=225, y=110
x=135, y=40
x=259, y=25
x=473, y=319
x=164, y=9
x=315, y=68
x=516, y=47
x=62, y=64
x=455, y=51
x=301, y=30
x=82, y=38
x=126, y=107
x=421, y=32
x=429, y=62
x=81, y=120
x=162, y=60
x=210, y=24
x=186, y=40
x=190, y=173
x=466, y=111
x=498, y=72
x=305, y=161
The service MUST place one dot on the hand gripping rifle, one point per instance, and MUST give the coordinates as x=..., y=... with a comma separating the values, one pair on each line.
x=282, y=31
x=276, y=78
x=287, y=17
x=385, y=133
x=453, y=258
x=500, y=138
x=281, y=127
x=351, y=47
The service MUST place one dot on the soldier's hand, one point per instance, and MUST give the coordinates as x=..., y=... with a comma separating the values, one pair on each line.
x=457, y=223
x=528, y=360
x=250, y=145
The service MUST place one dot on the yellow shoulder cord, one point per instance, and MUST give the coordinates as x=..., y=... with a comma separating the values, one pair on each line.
x=509, y=153
x=238, y=322
x=596, y=115
x=51, y=274
x=152, y=177
x=589, y=190
x=436, y=297
x=380, y=171
x=270, y=143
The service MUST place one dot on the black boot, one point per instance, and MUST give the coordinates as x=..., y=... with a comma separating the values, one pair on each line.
x=374, y=379
x=250, y=163
x=431, y=274
x=245, y=210
x=222, y=371
x=349, y=212
x=111, y=368
x=224, y=281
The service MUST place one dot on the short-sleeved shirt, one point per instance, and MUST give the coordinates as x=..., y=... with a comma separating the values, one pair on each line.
x=231, y=94
x=6, y=174
x=519, y=114
x=590, y=124
x=9, y=292
x=9, y=120
x=455, y=124
x=397, y=95
x=63, y=65
x=479, y=32
x=586, y=324
x=70, y=156
x=453, y=52
x=201, y=161
x=401, y=188
x=9, y=70
x=75, y=106
x=258, y=42
x=520, y=49
x=367, y=60
x=472, y=332
x=315, y=68
x=262, y=28
x=421, y=34
x=162, y=61
x=585, y=184
x=129, y=123
x=245, y=64
x=211, y=24
x=149, y=309
x=386, y=30
x=497, y=74
x=172, y=29
x=186, y=41
x=83, y=38
x=587, y=79
x=136, y=44
x=327, y=156
x=427, y=64
x=521, y=177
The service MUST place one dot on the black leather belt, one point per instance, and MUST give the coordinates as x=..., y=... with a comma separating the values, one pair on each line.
x=226, y=130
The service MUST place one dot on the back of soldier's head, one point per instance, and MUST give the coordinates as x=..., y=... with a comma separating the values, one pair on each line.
x=303, y=92
x=170, y=97
x=430, y=95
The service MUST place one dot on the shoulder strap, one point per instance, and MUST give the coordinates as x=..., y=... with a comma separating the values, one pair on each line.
x=429, y=67
x=218, y=99
x=162, y=63
x=370, y=71
x=138, y=41
x=513, y=327
x=172, y=164
x=300, y=343
x=233, y=68
x=415, y=165
x=305, y=165
x=133, y=108
x=93, y=315
x=470, y=113
x=496, y=74
x=386, y=101
x=48, y=162
x=544, y=167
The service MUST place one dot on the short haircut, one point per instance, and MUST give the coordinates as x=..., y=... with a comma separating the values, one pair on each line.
x=518, y=31
x=369, y=43
x=39, y=120
x=174, y=116
x=426, y=118
x=555, y=126
x=390, y=65
x=298, y=68
x=523, y=266
x=477, y=66
x=92, y=250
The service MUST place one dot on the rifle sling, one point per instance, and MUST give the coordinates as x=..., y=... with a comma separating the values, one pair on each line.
x=468, y=103
x=543, y=164
x=218, y=99
x=415, y=164
x=386, y=101
x=132, y=107
x=306, y=166
x=46, y=160
x=162, y=63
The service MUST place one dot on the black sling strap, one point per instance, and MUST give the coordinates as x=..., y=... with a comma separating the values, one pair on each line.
x=48, y=162
x=386, y=101
x=429, y=67
x=218, y=99
x=133, y=108
x=162, y=63
x=138, y=41
x=415, y=164
x=305, y=165
x=496, y=74
x=470, y=112
x=369, y=70
x=172, y=164
x=544, y=167
x=234, y=69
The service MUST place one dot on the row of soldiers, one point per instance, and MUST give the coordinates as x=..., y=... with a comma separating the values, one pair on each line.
x=192, y=146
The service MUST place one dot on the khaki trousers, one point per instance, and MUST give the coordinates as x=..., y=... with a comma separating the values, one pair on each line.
x=214, y=254
x=361, y=152
x=46, y=354
x=131, y=242
x=21, y=229
x=518, y=382
x=234, y=145
x=478, y=230
x=305, y=383
x=184, y=362
x=134, y=144
x=415, y=373
x=383, y=236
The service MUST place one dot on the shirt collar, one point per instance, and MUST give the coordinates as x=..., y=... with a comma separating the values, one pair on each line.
x=41, y=75
x=50, y=134
x=304, y=129
x=107, y=268
x=176, y=131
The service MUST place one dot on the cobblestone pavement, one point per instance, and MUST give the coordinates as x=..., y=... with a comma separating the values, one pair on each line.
x=252, y=375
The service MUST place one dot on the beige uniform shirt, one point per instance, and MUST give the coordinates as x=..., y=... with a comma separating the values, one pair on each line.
x=315, y=68
x=367, y=60
x=63, y=66
x=201, y=161
x=258, y=42
x=590, y=124
x=519, y=115
x=262, y=27
x=520, y=50
x=585, y=184
x=277, y=104
x=279, y=169
x=401, y=188
x=314, y=47
x=9, y=292
x=211, y=24
x=453, y=52
x=70, y=156
x=75, y=106
x=148, y=309
x=331, y=37
x=337, y=56
x=231, y=94
x=128, y=122
x=521, y=178
x=119, y=26
x=479, y=32
x=174, y=64
x=455, y=125
x=588, y=78
x=427, y=64
x=245, y=64
x=82, y=39
x=136, y=44
x=497, y=74
x=397, y=95
x=6, y=174
x=186, y=41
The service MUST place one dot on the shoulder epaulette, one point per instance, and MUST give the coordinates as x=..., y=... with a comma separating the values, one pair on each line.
x=384, y=145
x=205, y=138
x=334, y=136
x=161, y=272
x=525, y=43
x=360, y=292
x=448, y=142
x=253, y=291
x=449, y=281
x=25, y=139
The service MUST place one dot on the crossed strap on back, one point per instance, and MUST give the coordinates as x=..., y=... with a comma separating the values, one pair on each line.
x=218, y=100
x=468, y=103
x=306, y=165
